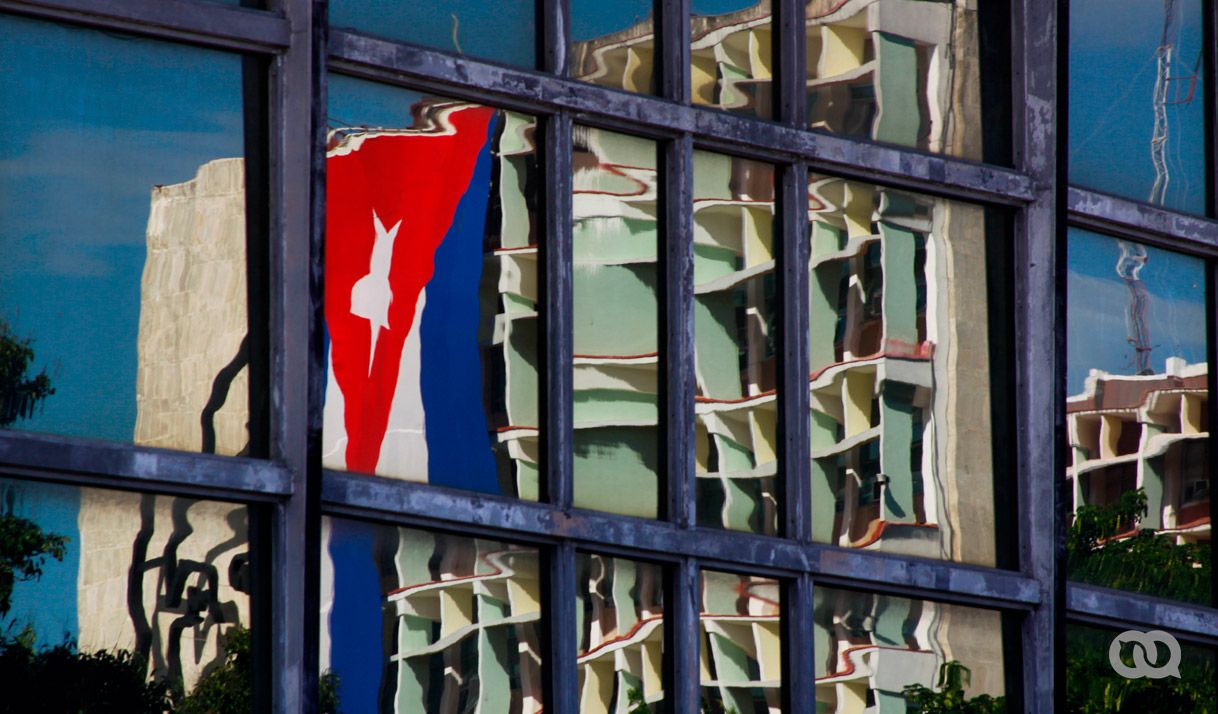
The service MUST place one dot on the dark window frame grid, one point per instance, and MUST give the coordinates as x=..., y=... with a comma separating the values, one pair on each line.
x=294, y=35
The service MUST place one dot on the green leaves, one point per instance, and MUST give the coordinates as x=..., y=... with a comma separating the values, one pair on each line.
x=24, y=547
x=19, y=393
x=953, y=678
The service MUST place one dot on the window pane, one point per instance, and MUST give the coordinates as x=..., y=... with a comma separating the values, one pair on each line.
x=431, y=290
x=732, y=55
x=741, y=653
x=504, y=31
x=616, y=285
x=132, y=596
x=415, y=621
x=619, y=611
x=890, y=653
x=907, y=372
x=124, y=239
x=614, y=43
x=1092, y=682
x=1137, y=418
x=1137, y=100
x=910, y=73
x=736, y=331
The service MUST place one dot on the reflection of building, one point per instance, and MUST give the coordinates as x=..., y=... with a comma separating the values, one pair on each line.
x=900, y=409
x=870, y=647
x=901, y=71
x=741, y=653
x=1149, y=432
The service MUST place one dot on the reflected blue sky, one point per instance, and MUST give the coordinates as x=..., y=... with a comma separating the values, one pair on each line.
x=720, y=7
x=1112, y=76
x=594, y=18
x=1097, y=300
x=92, y=121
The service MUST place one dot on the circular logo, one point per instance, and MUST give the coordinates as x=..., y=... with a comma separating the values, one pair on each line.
x=1145, y=655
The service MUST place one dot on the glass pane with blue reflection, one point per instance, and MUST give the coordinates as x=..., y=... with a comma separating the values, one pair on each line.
x=420, y=621
x=1137, y=100
x=123, y=231
x=1137, y=418
x=504, y=31
x=731, y=56
x=431, y=290
x=135, y=601
x=614, y=44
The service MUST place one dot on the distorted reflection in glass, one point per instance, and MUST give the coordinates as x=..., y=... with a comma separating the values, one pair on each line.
x=731, y=55
x=1137, y=418
x=900, y=340
x=736, y=343
x=614, y=44
x=616, y=287
x=741, y=654
x=162, y=582
x=619, y=613
x=415, y=621
x=907, y=73
x=123, y=284
x=1094, y=685
x=504, y=31
x=431, y=290
x=892, y=654
x=1137, y=100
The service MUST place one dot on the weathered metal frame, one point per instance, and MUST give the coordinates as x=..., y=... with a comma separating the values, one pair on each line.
x=294, y=35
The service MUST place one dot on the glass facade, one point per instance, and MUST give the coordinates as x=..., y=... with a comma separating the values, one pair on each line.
x=625, y=357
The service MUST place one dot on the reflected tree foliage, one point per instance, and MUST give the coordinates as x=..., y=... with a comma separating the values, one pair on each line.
x=1092, y=687
x=20, y=393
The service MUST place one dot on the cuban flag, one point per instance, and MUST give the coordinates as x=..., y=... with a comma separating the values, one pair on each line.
x=406, y=214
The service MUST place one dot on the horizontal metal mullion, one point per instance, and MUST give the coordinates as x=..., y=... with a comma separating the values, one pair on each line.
x=1122, y=609
x=1142, y=221
x=397, y=62
x=119, y=464
x=419, y=504
x=221, y=26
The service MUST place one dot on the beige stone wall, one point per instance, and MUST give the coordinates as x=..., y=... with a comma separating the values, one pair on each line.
x=193, y=310
x=110, y=523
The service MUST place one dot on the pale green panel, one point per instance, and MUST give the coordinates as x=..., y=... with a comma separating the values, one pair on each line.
x=414, y=553
x=601, y=240
x=732, y=455
x=603, y=406
x=824, y=430
x=900, y=288
x=899, y=117
x=889, y=703
x=740, y=505
x=515, y=210
x=716, y=347
x=1152, y=482
x=825, y=480
x=625, y=574
x=410, y=692
x=528, y=480
x=492, y=609
x=890, y=616
x=712, y=175
x=822, y=313
x=826, y=238
x=523, y=387
x=616, y=310
x=712, y=262
x=624, y=149
x=719, y=592
x=822, y=638
x=896, y=419
x=495, y=684
x=615, y=470
x=731, y=660
x=414, y=632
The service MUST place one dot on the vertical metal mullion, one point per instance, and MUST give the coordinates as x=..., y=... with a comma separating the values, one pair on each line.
x=672, y=29
x=556, y=289
x=297, y=380
x=562, y=678
x=683, y=638
x=1039, y=305
x=793, y=397
x=1209, y=36
x=555, y=45
x=677, y=326
x=790, y=52
x=798, y=657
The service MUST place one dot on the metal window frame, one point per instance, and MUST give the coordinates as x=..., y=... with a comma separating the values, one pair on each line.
x=295, y=37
